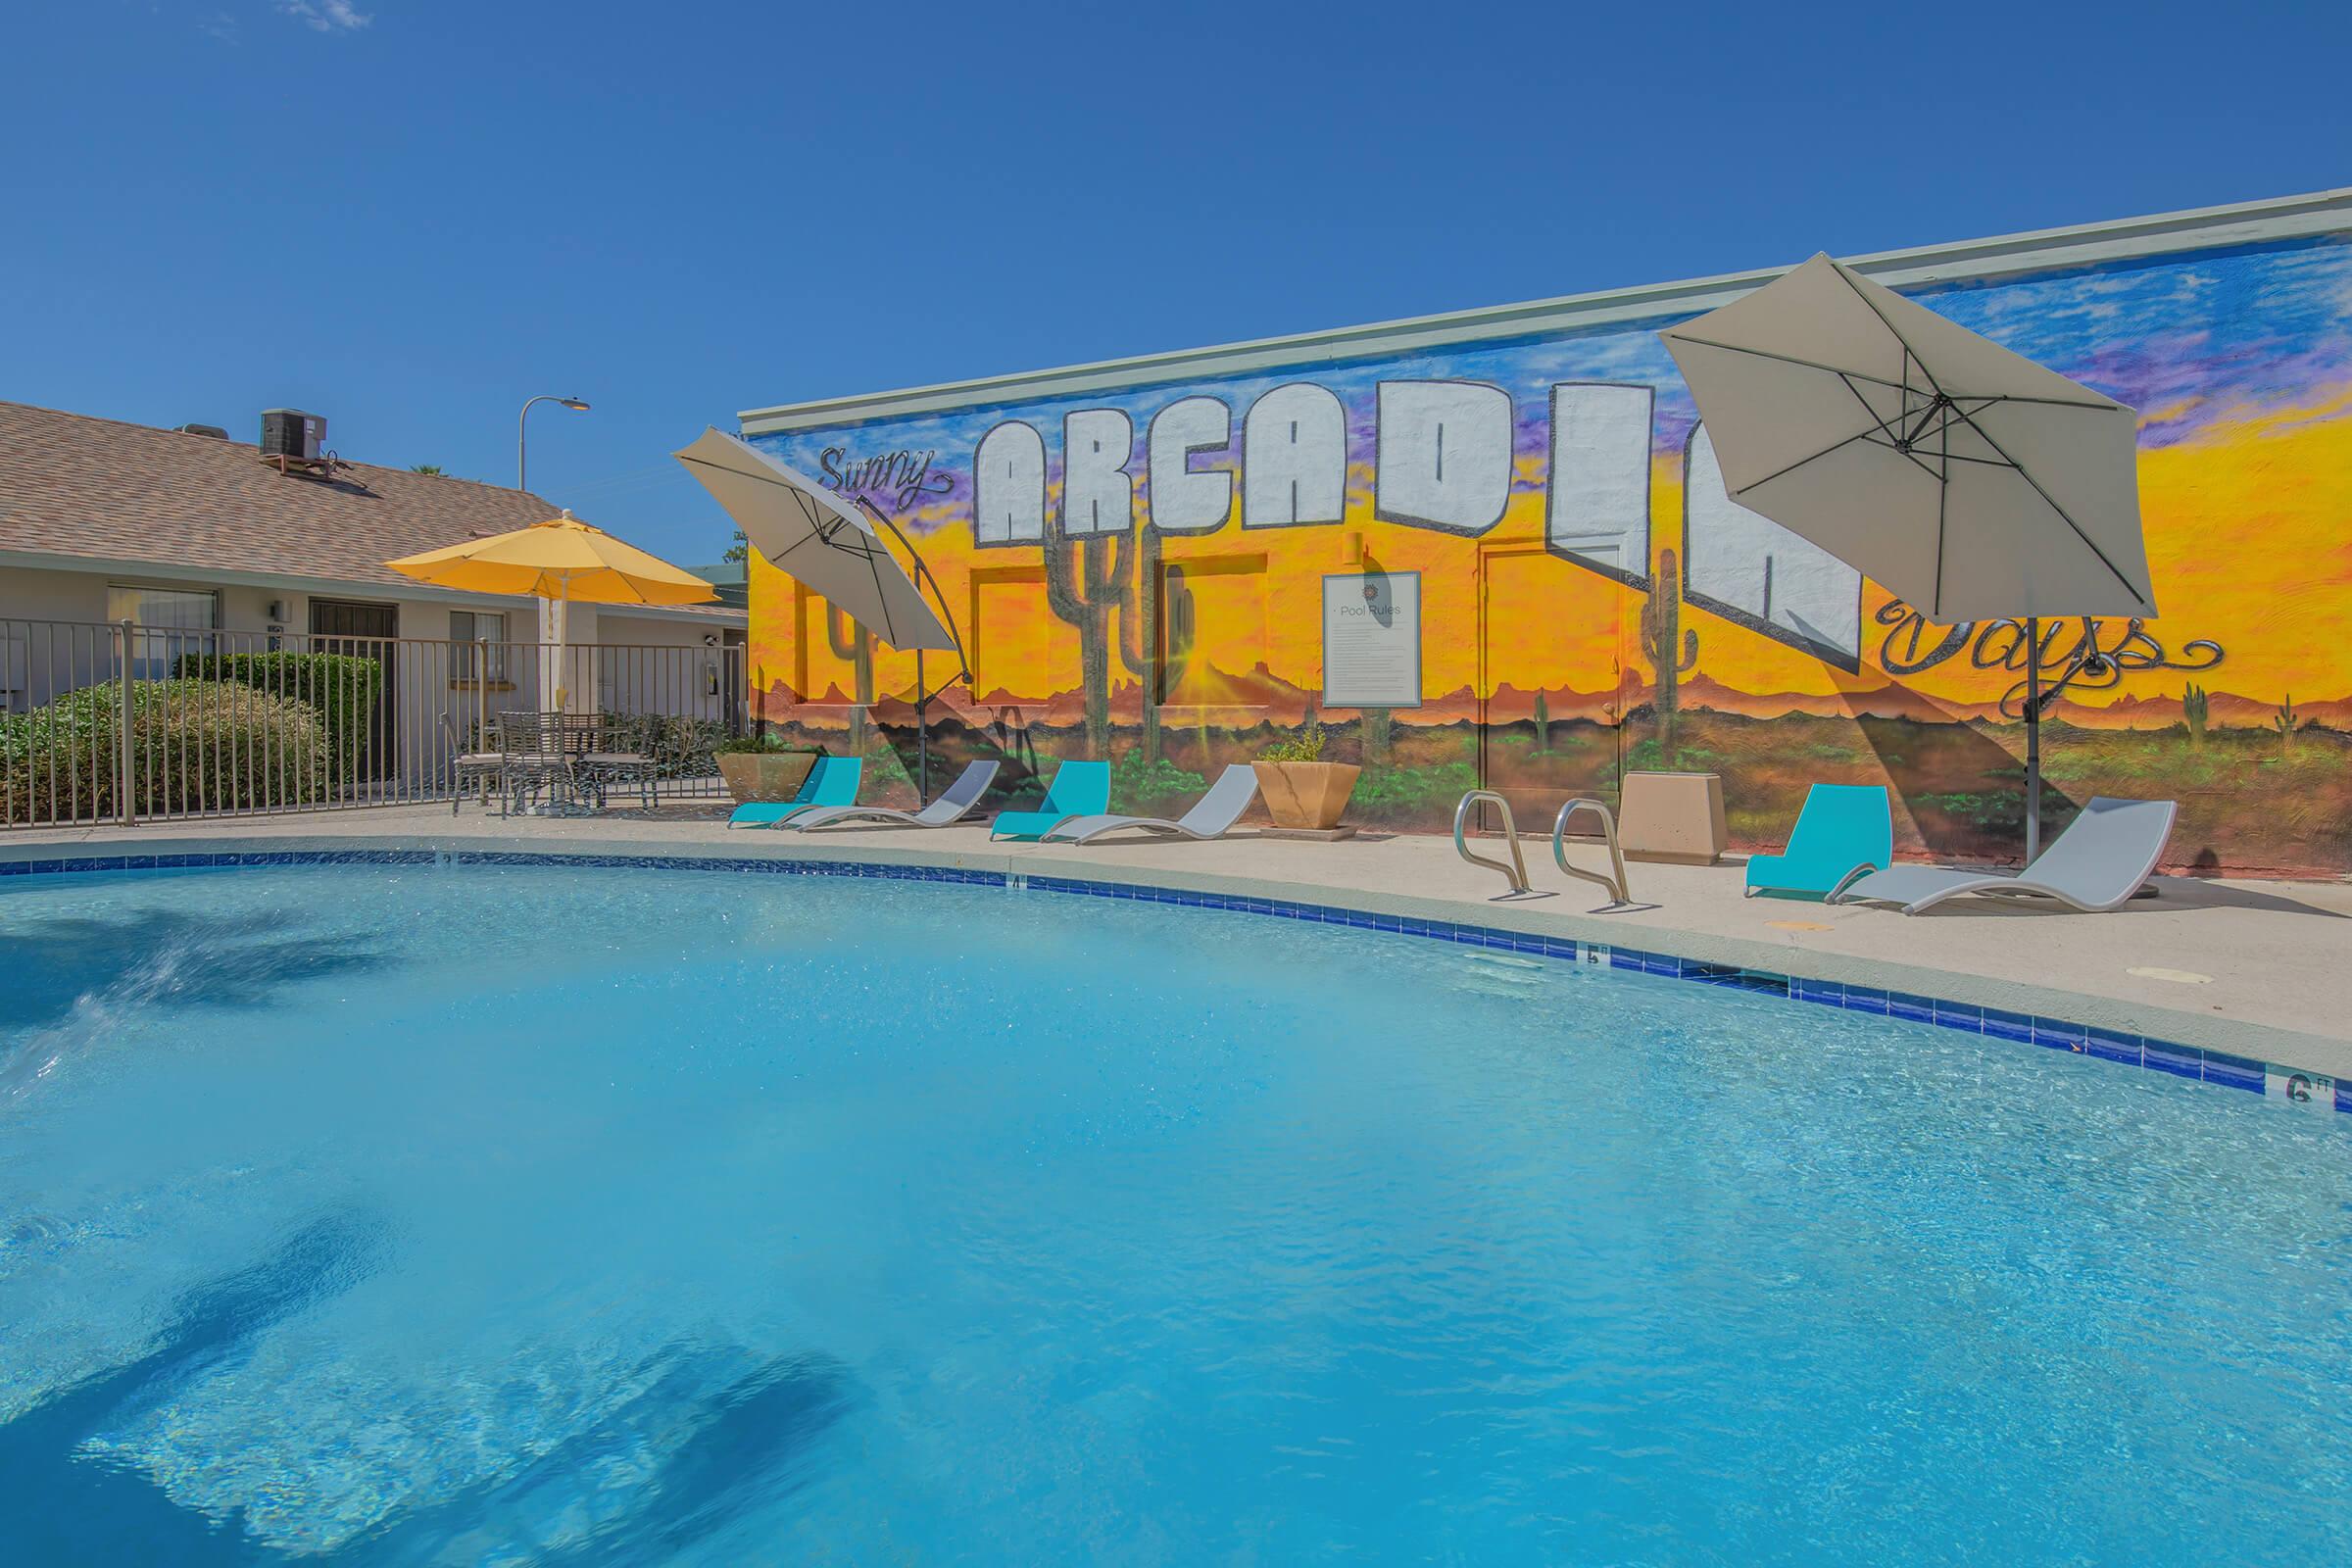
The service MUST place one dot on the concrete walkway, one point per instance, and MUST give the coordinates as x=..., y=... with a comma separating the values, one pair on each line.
x=2257, y=968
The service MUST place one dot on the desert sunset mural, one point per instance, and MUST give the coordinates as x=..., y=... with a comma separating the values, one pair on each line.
x=1138, y=573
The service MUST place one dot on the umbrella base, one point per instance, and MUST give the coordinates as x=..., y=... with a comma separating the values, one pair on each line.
x=556, y=808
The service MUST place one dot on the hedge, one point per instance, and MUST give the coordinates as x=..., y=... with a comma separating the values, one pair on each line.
x=340, y=688
x=195, y=746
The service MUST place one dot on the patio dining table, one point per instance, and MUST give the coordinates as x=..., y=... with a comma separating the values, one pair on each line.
x=565, y=764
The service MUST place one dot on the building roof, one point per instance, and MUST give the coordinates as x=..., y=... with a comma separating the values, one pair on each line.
x=731, y=578
x=2283, y=218
x=105, y=491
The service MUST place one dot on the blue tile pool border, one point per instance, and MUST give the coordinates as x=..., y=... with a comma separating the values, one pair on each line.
x=2220, y=1068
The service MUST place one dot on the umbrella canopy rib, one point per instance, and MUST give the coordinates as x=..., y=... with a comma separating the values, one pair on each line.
x=2027, y=474
x=822, y=531
x=784, y=514
x=1958, y=408
x=1933, y=417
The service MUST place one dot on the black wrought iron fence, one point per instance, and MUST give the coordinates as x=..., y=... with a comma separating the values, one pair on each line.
x=119, y=722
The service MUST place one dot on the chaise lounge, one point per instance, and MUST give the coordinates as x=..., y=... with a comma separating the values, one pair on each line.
x=1844, y=831
x=953, y=805
x=2102, y=858
x=1079, y=789
x=832, y=781
x=1211, y=816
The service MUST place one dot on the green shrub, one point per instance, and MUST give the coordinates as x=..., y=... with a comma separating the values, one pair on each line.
x=1305, y=747
x=340, y=688
x=1150, y=788
x=1411, y=794
x=735, y=745
x=680, y=746
x=195, y=746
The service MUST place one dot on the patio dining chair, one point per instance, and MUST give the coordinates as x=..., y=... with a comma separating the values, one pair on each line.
x=619, y=753
x=533, y=759
x=471, y=770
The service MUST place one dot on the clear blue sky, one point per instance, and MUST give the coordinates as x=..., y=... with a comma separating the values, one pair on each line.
x=411, y=214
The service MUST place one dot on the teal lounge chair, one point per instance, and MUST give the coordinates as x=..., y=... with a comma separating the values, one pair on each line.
x=833, y=781
x=1079, y=789
x=1844, y=831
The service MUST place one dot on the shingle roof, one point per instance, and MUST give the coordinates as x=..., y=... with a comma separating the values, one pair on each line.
x=75, y=485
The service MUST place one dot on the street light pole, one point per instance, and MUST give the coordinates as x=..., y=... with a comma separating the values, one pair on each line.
x=522, y=429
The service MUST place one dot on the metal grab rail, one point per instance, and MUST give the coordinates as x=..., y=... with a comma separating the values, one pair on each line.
x=1514, y=871
x=1608, y=833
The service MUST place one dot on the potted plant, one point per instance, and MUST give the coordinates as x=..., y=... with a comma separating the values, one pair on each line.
x=762, y=767
x=1302, y=791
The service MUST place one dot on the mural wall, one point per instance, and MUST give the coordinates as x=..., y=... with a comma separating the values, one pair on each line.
x=1164, y=577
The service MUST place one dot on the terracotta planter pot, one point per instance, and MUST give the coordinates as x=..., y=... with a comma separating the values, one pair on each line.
x=1309, y=794
x=765, y=776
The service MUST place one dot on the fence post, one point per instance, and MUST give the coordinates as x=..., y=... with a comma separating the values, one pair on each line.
x=124, y=814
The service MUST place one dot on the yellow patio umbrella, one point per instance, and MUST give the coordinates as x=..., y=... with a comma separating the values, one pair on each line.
x=561, y=560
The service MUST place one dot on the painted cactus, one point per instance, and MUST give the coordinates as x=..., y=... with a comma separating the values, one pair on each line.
x=853, y=642
x=2195, y=708
x=1086, y=580
x=1155, y=653
x=1672, y=651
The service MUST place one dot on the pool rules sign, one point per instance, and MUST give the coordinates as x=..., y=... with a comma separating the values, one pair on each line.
x=1372, y=639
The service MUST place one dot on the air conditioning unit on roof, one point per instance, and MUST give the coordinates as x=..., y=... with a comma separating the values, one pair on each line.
x=292, y=433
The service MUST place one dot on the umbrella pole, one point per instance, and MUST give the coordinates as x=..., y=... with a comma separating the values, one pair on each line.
x=922, y=736
x=558, y=631
x=2033, y=739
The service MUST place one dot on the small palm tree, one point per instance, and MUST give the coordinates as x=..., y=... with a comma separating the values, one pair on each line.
x=431, y=470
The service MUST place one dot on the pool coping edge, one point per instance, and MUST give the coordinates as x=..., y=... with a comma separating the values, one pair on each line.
x=2254, y=1058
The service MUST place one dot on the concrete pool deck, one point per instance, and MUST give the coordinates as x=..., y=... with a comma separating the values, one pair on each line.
x=2256, y=968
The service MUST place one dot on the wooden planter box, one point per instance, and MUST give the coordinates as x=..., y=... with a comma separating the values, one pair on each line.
x=765, y=776
x=1305, y=795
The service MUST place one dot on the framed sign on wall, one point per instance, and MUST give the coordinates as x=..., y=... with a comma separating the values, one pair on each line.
x=1372, y=639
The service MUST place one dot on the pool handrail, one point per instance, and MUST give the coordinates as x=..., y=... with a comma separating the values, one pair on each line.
x=1615, y=882
x=1515, y=870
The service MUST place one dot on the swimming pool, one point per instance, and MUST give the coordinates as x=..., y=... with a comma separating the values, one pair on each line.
x=429, y=1214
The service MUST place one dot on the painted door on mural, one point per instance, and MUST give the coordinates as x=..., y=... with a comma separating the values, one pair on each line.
x=1552, y=730
x=1211, y=633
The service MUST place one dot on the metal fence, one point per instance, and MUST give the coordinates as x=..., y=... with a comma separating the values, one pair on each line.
x=229, y=723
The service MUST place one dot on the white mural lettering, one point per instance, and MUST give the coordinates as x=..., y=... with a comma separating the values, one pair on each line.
x=1009, y=486
x=1445, y=455
x=1746, y=567
x=1184, y=501
x=1097, y=495
x=1597, y=507
x=1294, y=458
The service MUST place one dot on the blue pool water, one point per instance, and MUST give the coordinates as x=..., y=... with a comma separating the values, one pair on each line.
x=618, y=1216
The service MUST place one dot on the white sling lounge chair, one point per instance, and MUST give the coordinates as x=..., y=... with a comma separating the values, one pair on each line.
x=952, y=805
x=1211, y=817
x=2095, y=865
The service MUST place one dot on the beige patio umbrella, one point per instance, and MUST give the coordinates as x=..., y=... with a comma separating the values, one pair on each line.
x=1973, y=482
x=805, y=530
x=561, y=562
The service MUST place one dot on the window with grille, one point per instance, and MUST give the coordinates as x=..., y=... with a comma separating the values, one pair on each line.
x=468, y=629
x=167, y=624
